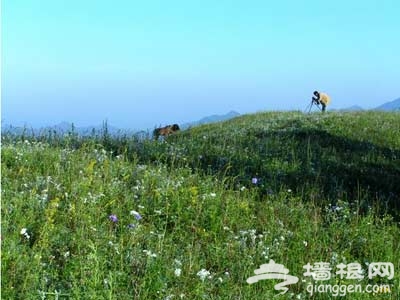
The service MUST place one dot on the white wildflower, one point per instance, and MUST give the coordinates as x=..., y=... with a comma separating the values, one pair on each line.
x=25, y=233
x=178, y=262
x=178, y=272
x=203, y=274
x=149, y=253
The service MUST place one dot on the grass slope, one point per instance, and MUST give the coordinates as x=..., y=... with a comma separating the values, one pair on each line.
x=191, y=224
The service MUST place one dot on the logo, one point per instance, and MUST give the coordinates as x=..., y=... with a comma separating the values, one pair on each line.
x=274, y=271
x=322, y=272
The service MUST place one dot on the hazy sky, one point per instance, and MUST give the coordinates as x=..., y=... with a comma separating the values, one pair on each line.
x=144, y=63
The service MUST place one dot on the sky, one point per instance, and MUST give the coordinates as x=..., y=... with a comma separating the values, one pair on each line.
x=140, y=64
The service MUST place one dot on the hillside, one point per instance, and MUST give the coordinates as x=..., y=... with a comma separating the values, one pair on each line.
x=343, y=155
x=193, y=216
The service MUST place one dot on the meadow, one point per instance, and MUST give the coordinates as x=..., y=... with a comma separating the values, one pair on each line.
x=193, y=215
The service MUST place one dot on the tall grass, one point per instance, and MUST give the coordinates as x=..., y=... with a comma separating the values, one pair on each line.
x=131, y=218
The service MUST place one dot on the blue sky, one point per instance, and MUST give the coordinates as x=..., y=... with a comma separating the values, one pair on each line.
x=143, y=63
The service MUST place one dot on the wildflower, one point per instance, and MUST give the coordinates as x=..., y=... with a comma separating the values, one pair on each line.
x=242, y=188
x=203, y=273
x=213, y=195
x=178, y=272
x=113, y=218
x=149, y=253
x=178, y=262
x=336, y=208
x=25, y=233
x=136, y=214
x=305, y=243
x=254, y=180
x=131, y=226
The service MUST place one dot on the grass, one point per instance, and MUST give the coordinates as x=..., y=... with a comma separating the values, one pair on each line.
x=190, y=222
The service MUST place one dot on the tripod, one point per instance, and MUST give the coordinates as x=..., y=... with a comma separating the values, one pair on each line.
x=313, y=102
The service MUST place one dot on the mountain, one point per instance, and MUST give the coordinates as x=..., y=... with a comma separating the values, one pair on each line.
x=212, y=119
x=390, y=106
x=351, y=108
x=64, y=128
x=354, y=108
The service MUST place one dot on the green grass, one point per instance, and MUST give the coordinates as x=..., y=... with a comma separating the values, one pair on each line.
x=328, y=191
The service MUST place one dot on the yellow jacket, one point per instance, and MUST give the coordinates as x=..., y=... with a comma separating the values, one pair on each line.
x=324, y=98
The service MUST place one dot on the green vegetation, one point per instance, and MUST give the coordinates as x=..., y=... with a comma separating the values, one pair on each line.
x=192, y=217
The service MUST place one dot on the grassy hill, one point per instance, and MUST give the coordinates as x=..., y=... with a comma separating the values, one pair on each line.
x=348, y=156
x=193, y=216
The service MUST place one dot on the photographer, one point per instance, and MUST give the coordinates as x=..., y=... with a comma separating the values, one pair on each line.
x=321, y=98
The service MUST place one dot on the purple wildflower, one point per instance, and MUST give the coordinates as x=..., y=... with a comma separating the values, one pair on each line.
x=136, y=214
x=113, y=218
x=254, y=180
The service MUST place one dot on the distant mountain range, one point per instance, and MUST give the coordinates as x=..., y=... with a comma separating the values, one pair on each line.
x=65, y=127
x=390, y=106
x=211, y=119
x=351, y=108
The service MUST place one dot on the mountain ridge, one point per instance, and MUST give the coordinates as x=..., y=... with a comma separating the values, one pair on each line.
x=389, y=106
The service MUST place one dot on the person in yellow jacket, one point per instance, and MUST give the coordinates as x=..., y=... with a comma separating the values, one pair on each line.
x=321, y=98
